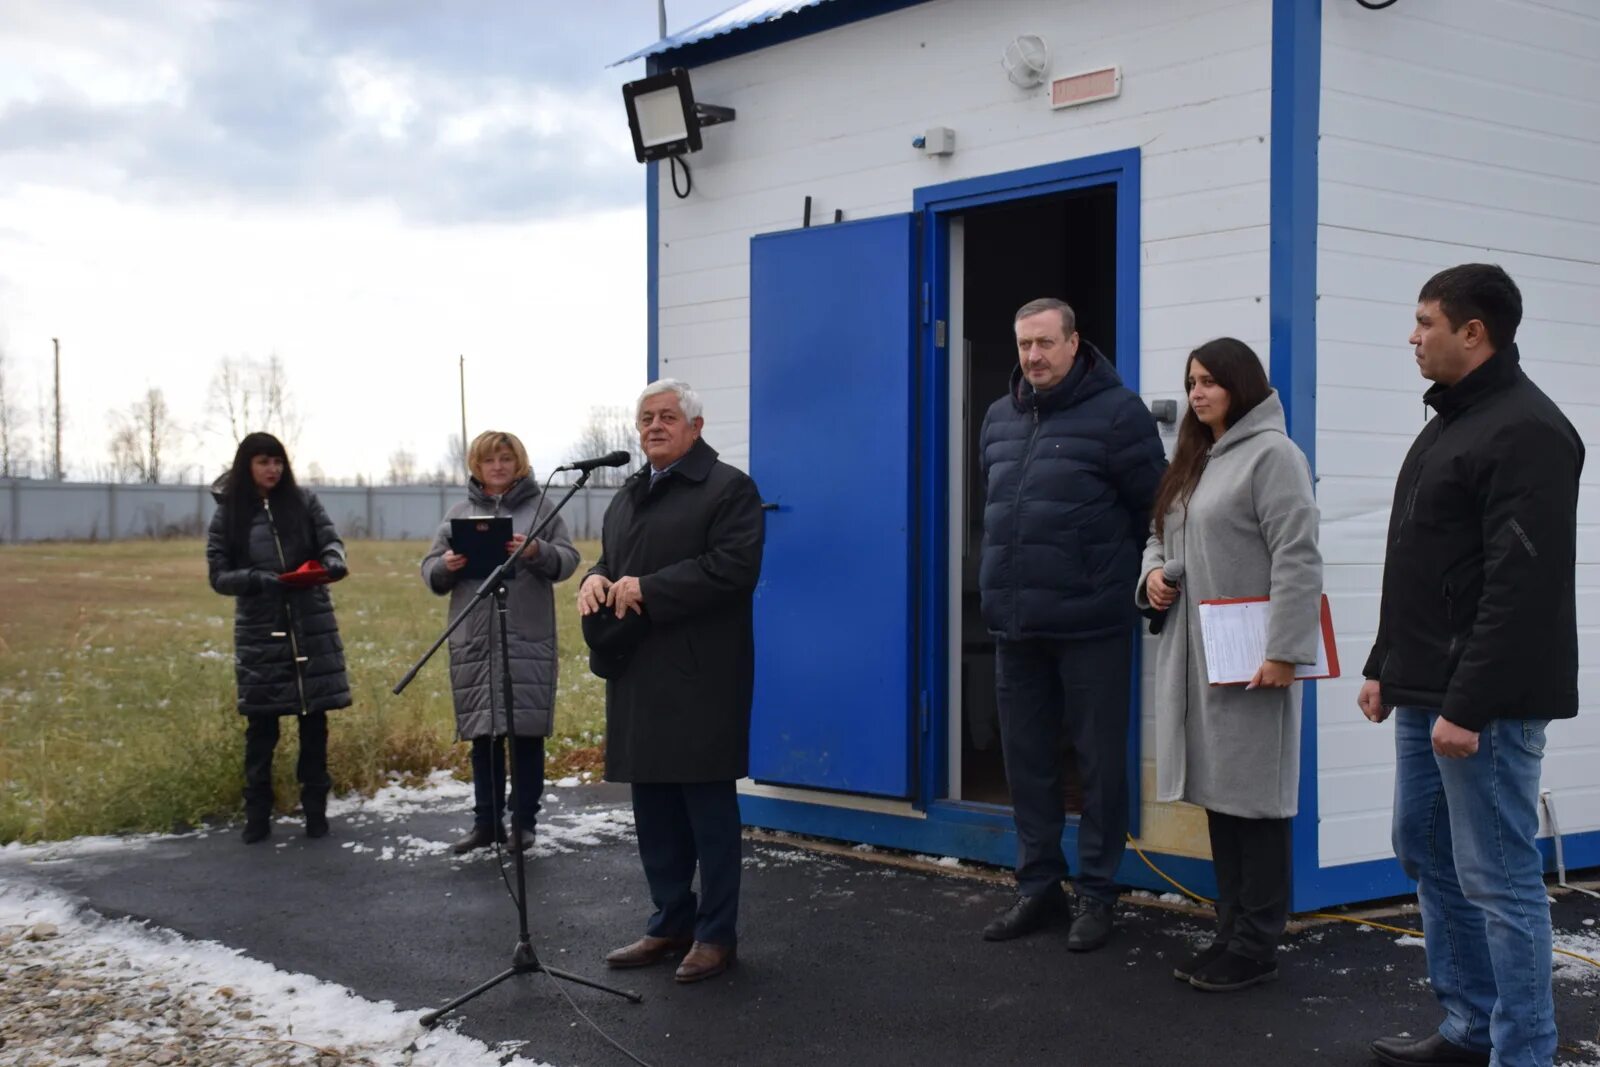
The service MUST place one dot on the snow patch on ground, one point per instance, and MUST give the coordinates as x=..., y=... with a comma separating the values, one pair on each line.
x=159, y=995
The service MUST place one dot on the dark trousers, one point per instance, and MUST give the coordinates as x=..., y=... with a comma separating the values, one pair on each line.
x=311, y=769
x=1044, y=687
x=489, y=780
x=1252, y=861
x=680, y=827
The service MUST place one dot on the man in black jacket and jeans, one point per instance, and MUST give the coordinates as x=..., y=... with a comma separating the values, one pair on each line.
x=1478, y=649
x=1071, y=459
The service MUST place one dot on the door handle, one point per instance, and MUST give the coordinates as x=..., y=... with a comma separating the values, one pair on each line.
x=767, y=505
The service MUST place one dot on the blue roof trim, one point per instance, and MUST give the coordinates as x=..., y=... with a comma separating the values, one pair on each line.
x=771, y=23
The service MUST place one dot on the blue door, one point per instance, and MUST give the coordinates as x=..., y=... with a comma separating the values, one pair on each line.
x=832, y=377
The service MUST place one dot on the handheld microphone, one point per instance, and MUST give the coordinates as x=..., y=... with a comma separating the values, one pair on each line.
x=610, y=459
x=1171, y=574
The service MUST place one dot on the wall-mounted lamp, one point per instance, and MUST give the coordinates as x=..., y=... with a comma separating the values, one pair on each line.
x=664, y=118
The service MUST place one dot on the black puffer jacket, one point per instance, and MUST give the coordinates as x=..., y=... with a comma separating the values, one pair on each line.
x=1071, y=473
x=288, y=658
x=1479, y=613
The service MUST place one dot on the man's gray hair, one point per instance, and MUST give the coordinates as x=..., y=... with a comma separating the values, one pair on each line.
x=688, y=399
x=1069, y=318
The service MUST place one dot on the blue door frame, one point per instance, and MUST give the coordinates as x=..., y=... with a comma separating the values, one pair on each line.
x=937, y=204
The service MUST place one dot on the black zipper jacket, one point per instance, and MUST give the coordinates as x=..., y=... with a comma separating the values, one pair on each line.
x=1479, y=614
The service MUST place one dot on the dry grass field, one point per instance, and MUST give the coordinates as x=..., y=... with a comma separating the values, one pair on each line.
x=117, y=695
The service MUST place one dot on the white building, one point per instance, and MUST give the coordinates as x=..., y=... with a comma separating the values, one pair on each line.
x=1288, y=172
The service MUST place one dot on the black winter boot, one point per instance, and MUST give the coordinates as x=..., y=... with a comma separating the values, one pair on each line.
x=315, y=804
x=257, y=820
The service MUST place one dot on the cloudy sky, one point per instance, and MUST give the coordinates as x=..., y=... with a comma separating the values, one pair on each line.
x=365, y=188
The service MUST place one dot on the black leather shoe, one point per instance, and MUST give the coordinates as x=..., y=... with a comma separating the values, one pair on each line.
x=1029, y=914
x=1230, y=972
x=256, y=830
x=1092, y=928
x=1430, y=1051
x=1186, y=970
x=480, y=837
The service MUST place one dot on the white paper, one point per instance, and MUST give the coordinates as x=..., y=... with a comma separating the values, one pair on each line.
x=1235, y=637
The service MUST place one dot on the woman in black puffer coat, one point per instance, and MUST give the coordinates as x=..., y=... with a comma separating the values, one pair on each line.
x=288, y=658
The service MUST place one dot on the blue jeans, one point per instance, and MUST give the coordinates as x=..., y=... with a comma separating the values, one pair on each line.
x=1464, y=830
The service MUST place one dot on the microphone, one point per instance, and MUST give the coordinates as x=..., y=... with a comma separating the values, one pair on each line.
x=1172, y=575
x=610, y=459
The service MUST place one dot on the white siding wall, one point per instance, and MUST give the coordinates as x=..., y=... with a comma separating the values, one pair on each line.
x=1452, y=131
x=832, y=116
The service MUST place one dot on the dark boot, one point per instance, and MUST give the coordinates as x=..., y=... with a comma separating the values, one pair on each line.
x=315, y=804
x=1092, y=928
x=257, y=818
x=480, y=837
x=1231, y=972
x=1029, y=914
x=1431, y=1051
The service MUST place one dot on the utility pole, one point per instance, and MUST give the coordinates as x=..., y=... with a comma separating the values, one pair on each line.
x=661, y=19
x=59, y=473
x=463, y=368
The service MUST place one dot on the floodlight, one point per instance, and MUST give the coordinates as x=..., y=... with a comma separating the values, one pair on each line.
x=664, y=118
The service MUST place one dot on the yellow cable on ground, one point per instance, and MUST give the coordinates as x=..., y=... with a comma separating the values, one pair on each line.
x=1186, y=891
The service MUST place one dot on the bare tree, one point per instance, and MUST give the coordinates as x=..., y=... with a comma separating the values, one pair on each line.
x=13, y=446
x=142, y=438
x=124, y=455
x=402, y=467
x=609, y=429
x=248, y=395
x=455, y=459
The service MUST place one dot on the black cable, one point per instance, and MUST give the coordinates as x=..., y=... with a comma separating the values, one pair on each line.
x=613, y=1042
x=1375, y=5
x=688, y=180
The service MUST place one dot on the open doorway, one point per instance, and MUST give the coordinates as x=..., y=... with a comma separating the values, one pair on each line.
x=1001, y=256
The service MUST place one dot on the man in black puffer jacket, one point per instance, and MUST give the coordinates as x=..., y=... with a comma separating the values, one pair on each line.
x=1071, y=459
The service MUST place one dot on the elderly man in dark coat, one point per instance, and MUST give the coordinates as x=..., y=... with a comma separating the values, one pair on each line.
x=680, y=555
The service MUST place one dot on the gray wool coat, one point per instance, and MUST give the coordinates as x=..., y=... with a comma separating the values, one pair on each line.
x=1250, y=529
x=530, y=607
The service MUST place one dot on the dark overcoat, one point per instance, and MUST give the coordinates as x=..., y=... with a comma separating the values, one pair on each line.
x=680, y=710
x=288, y=658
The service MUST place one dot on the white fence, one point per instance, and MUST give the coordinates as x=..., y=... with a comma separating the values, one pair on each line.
x=96, y=511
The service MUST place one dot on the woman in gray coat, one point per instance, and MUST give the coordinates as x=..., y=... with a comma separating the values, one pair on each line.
x=502, y=484
x=1236, y=508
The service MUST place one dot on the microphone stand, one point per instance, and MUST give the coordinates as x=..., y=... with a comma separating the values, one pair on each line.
x=524, y=960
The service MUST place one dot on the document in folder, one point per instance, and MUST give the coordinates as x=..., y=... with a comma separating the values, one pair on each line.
x=1235, y=636
x=482, y=539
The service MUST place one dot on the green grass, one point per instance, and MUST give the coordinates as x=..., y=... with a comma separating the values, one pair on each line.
x=117, y=695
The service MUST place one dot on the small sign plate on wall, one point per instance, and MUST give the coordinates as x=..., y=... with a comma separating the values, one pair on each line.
x=1086, y=87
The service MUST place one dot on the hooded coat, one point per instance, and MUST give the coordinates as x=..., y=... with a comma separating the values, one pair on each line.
x=1249, y=530
x=1070, y=473
x=530, y=608
x=288, y=658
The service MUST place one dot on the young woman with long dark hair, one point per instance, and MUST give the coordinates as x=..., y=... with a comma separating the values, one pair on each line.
x=1237, y=508
x=288, y=659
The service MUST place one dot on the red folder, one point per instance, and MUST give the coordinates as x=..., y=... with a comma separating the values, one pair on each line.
x=1331, y=648
x=307, y=574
